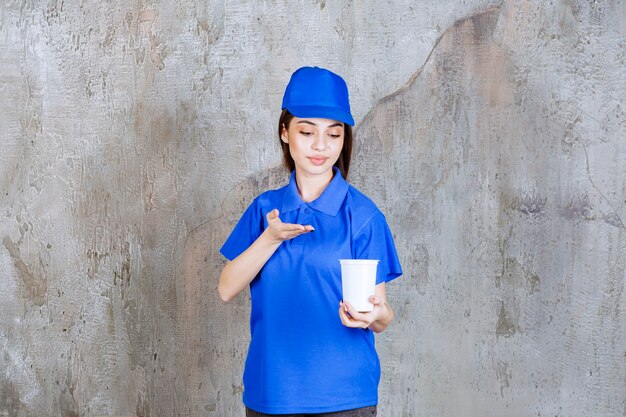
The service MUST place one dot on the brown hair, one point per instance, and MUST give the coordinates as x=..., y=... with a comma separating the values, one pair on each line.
x=343, y=162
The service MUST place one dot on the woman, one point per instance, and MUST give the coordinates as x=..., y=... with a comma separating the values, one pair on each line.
x=310, y=353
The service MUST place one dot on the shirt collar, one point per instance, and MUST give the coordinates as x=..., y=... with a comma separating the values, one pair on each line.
x=328, y=202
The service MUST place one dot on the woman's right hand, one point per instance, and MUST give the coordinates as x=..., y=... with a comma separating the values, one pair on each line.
x=278, y=231
x=238, y=273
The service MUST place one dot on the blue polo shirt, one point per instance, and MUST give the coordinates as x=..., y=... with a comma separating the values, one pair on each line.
x=301, y=359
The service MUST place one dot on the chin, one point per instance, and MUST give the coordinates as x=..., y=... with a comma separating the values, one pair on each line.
x=316, y=169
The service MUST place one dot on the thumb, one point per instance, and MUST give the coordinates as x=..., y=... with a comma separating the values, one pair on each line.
x=272, y=215
x=374, y=299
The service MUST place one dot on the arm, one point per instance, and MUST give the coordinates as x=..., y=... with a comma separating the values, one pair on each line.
x=377, y=320
x=238, y=273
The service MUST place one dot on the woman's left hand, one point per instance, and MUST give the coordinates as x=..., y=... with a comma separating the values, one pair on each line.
x=352, y=318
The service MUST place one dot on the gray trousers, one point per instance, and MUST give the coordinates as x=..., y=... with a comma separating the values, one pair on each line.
x=357, y=412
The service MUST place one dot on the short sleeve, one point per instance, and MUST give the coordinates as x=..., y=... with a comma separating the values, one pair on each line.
x=248, y=229
x=375, y=241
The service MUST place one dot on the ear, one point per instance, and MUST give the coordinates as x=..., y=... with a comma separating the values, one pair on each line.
x=283, y=135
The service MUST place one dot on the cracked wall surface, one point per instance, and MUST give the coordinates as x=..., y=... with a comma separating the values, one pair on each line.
x=491, y=134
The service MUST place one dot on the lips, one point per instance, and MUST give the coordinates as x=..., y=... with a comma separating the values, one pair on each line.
x=318, y=160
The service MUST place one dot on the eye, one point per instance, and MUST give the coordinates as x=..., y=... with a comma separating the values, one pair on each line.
x=306, y=133
x=335, y=136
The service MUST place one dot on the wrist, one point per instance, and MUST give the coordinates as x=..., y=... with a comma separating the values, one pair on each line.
x=268, y=239
x=384, y=311
x=385, y=315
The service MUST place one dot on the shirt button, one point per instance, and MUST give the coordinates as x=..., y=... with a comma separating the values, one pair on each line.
x=306, y=210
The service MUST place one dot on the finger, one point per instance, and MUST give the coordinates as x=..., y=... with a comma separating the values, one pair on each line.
x=299, y=226
x=343, y=311
x=291, y=235
x=292, y=230
x=280, y=226
x=286, y=227
x=351, y=321
x=345, y=319
x=342, y=314
x=354, y=313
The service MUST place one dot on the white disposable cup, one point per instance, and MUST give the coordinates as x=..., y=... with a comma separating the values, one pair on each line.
x=358, y=282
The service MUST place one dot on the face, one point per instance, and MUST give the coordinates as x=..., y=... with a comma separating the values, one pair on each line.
x=314, y=144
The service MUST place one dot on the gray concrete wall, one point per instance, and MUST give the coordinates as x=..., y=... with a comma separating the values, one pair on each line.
x=492, y=135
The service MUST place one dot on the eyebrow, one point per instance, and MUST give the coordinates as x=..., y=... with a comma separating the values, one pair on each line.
x=313, y=124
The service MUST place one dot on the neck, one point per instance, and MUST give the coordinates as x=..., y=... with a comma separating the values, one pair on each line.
x=311, y=186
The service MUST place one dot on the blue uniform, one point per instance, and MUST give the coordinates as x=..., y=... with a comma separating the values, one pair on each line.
x=301, y=358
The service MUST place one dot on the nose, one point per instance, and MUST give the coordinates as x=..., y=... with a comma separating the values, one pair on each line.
x=318, y=143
